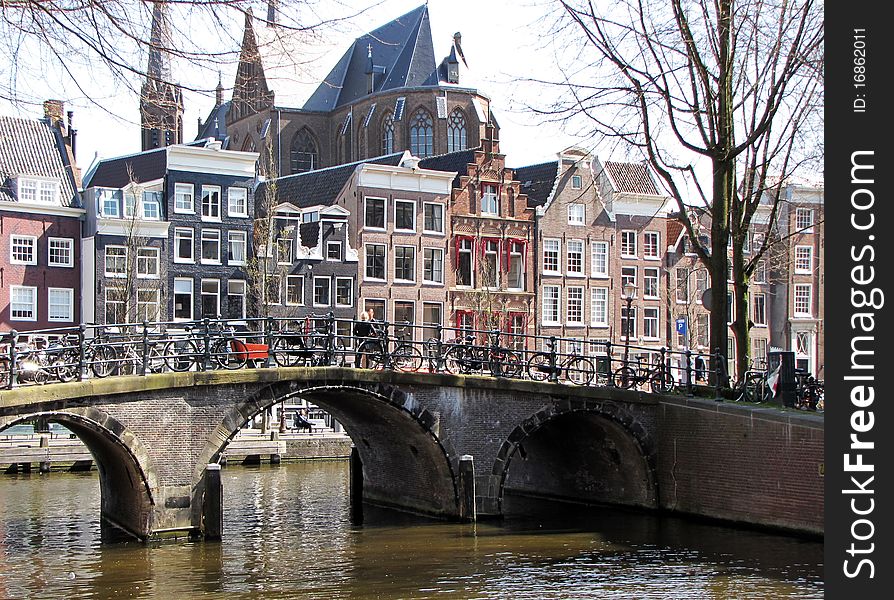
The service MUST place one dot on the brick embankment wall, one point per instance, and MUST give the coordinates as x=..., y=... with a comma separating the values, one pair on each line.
x=321, y=447
x=759, y=466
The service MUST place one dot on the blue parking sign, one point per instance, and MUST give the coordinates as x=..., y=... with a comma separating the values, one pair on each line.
x=681, y=326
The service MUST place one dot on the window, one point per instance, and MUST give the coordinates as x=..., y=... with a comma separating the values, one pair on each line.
x=284, y=250
x=760, y=272
x=760, y=309
x=759, y=352
x=375, y=213
x=116, y=261
x=433, y=218
x=210, y=298
x=551, y=304
x=682, y=284
x=465, y=261
x=803, y=259
x=730, y=308
x=236, y=243
x=273, y=289
x=115, y=309
x=701, y=283
x=628, y=322
x=23, y=249
x=405, y=263
x=237, y=203
x=551, y=255
x=333, y=250
x=516, y=274
x=130, y=204
x=378, y=308
x=599, y=307
x=599, y=259
x=32, y=190
x=303, y=153
x=432, y=317
x=628, y=276
x=148, y=305
x=433, y=265
x=421, y=134
x=388, y=133
x=574, y=306
x=577, y=214
x=109, y=202
x=628, y=244
x=576, y=182
x=183, y=245
x=701, y=325
x=650, y=323
x=490, y=200
x=650, y=244
x=295, y=290
x=375, y=261
x=344, y=291
x=804, y=220
x=183, y=290
x=575, y=257
x=183, y=198
x=310, y=216
x=404, y=319
x=235, y=299
x=322, y=291
x=61, y=252
x=803, y=299
x=465, y=322
x=490, y=266
x=147, y=262
x=211, y=246
x=404, y=215
x=22, y=303
x=152, y=206
x=456, y=131
x=650, y=283
x=211, y=203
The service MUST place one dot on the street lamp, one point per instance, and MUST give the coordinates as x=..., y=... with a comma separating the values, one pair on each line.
x=628, y=291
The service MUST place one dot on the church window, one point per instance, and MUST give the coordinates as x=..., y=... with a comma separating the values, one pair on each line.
x=388, y=134
x=421, y=134
x=456, y=131
x=303, y=154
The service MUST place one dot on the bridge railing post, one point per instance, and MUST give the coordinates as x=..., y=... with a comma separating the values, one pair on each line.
x=82, y=351
x=268, y=339
x=608, y=356
x=688, y=371
x=553, y=359
x=144, y=350
x=496, y=369
x=435, y=367
x=13, y=342
x=331, y=358
x=719, y=369
x=206, y=346
x=386, y=347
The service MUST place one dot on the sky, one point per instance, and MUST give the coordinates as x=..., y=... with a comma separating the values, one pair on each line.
x=501, y=39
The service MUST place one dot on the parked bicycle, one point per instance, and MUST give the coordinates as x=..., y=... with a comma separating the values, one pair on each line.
x=753, y=387
x=373, y=353
x=576, y=369
x=465, y=357
x=185, y=353
x=657, y=376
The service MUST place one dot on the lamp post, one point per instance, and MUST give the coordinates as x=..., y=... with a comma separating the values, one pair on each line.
x=628, y=290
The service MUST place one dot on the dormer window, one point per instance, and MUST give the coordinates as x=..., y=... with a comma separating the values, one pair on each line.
x=38, y=190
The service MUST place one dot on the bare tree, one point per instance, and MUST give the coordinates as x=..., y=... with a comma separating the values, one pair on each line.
x=717, y=96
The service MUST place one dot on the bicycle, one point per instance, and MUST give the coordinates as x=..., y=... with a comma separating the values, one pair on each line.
x=183, y=354
x=404, y=357
x=658, y=377
x=753, y=387
x=578, y=370
x=465, y=357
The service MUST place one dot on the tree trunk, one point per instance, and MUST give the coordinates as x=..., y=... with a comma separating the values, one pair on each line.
x=724, y=188
x=742, y=322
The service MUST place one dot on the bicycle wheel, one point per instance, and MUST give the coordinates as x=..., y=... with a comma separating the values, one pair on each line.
x=103, y=360
x=225, y=356
x=369, y=355
x=456, y=360
x=625, y=378
x=661, y=382
x=65, y=367
x=155, y=362
x=286, y=353
x=181, y=355
x=406, y=358
x=505, y=363
x=539, y=366
x=579, y=371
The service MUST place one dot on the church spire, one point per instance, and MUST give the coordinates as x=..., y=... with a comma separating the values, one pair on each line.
x=161, y=101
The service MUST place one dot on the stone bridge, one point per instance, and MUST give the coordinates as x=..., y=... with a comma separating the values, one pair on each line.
x=417, y=435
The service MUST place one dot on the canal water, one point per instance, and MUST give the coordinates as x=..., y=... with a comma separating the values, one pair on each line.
x=288, y=535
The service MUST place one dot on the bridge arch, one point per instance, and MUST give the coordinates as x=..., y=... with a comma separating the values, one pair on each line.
x=405, y=463
x=127, y=479
x=592, y=454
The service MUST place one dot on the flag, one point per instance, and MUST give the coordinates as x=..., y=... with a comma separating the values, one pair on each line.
x=773, y=379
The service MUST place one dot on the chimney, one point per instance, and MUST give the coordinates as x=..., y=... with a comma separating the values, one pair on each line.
x=53, y=111
x=72, y=133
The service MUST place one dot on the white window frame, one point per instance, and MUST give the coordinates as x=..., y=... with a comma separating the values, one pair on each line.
x=142, y=259
x=144, y=203
x=331, y=245
x=178, y=235
x=466, y=246
x=443, y=210
x=577, y=182
x=366, y=276
x=798, y=287
x=598, y=297
x=202, y=295
x=328, y=302
x=558, y=251
x=434, y=251
x=595, y=253
x=635, y=276
x=212, y=189
x=626, y=236
x=106, y=199
x=398, y=279
x=577, y=213
x=33, y=308
x=232, y=240
x=105, y=265
x=141, y=303
x=231, y=284
x=804, y=228
x=656, y=319
x=413, y=221
x=555, y=294
x=490, y=200
x=111, y=301
x=239, y=191
x=289, y=280
x=192, y=298
x=67, y=244
x=623, y=327
x=68, y=293
x=581, y=271
x=656, y=277
x=647, y=235
x=578, y=300
x=760, y=320
x=521, y=257
x=384, y=201
x=350, y=281
x=215, y=234
x=180, y=192
x=809, y=268
x=22, y=240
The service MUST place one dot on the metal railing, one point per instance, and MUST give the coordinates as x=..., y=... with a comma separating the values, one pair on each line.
x=97, y=351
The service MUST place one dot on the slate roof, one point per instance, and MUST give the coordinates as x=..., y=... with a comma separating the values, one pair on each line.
x=538, y=181
x=453, y=162
x=215, y=126
x=403, y=47
x=631, y=178
x=320, y=187
x=116, y=172
x=33, y=147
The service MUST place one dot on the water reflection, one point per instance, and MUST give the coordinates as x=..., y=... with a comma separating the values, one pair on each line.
x=287, y=535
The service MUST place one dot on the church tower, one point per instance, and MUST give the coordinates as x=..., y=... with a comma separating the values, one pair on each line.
x=161, y=101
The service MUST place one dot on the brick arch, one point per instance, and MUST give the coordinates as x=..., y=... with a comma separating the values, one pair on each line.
x=128, y=479
x=358, y=407
x=613, y=419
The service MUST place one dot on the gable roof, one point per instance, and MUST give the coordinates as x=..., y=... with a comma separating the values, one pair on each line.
x=402, y=48
x=116, y=172
x=34, y=147
x=631, y=178
x=538, y=181
x=320, y=187
x=453, y=162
